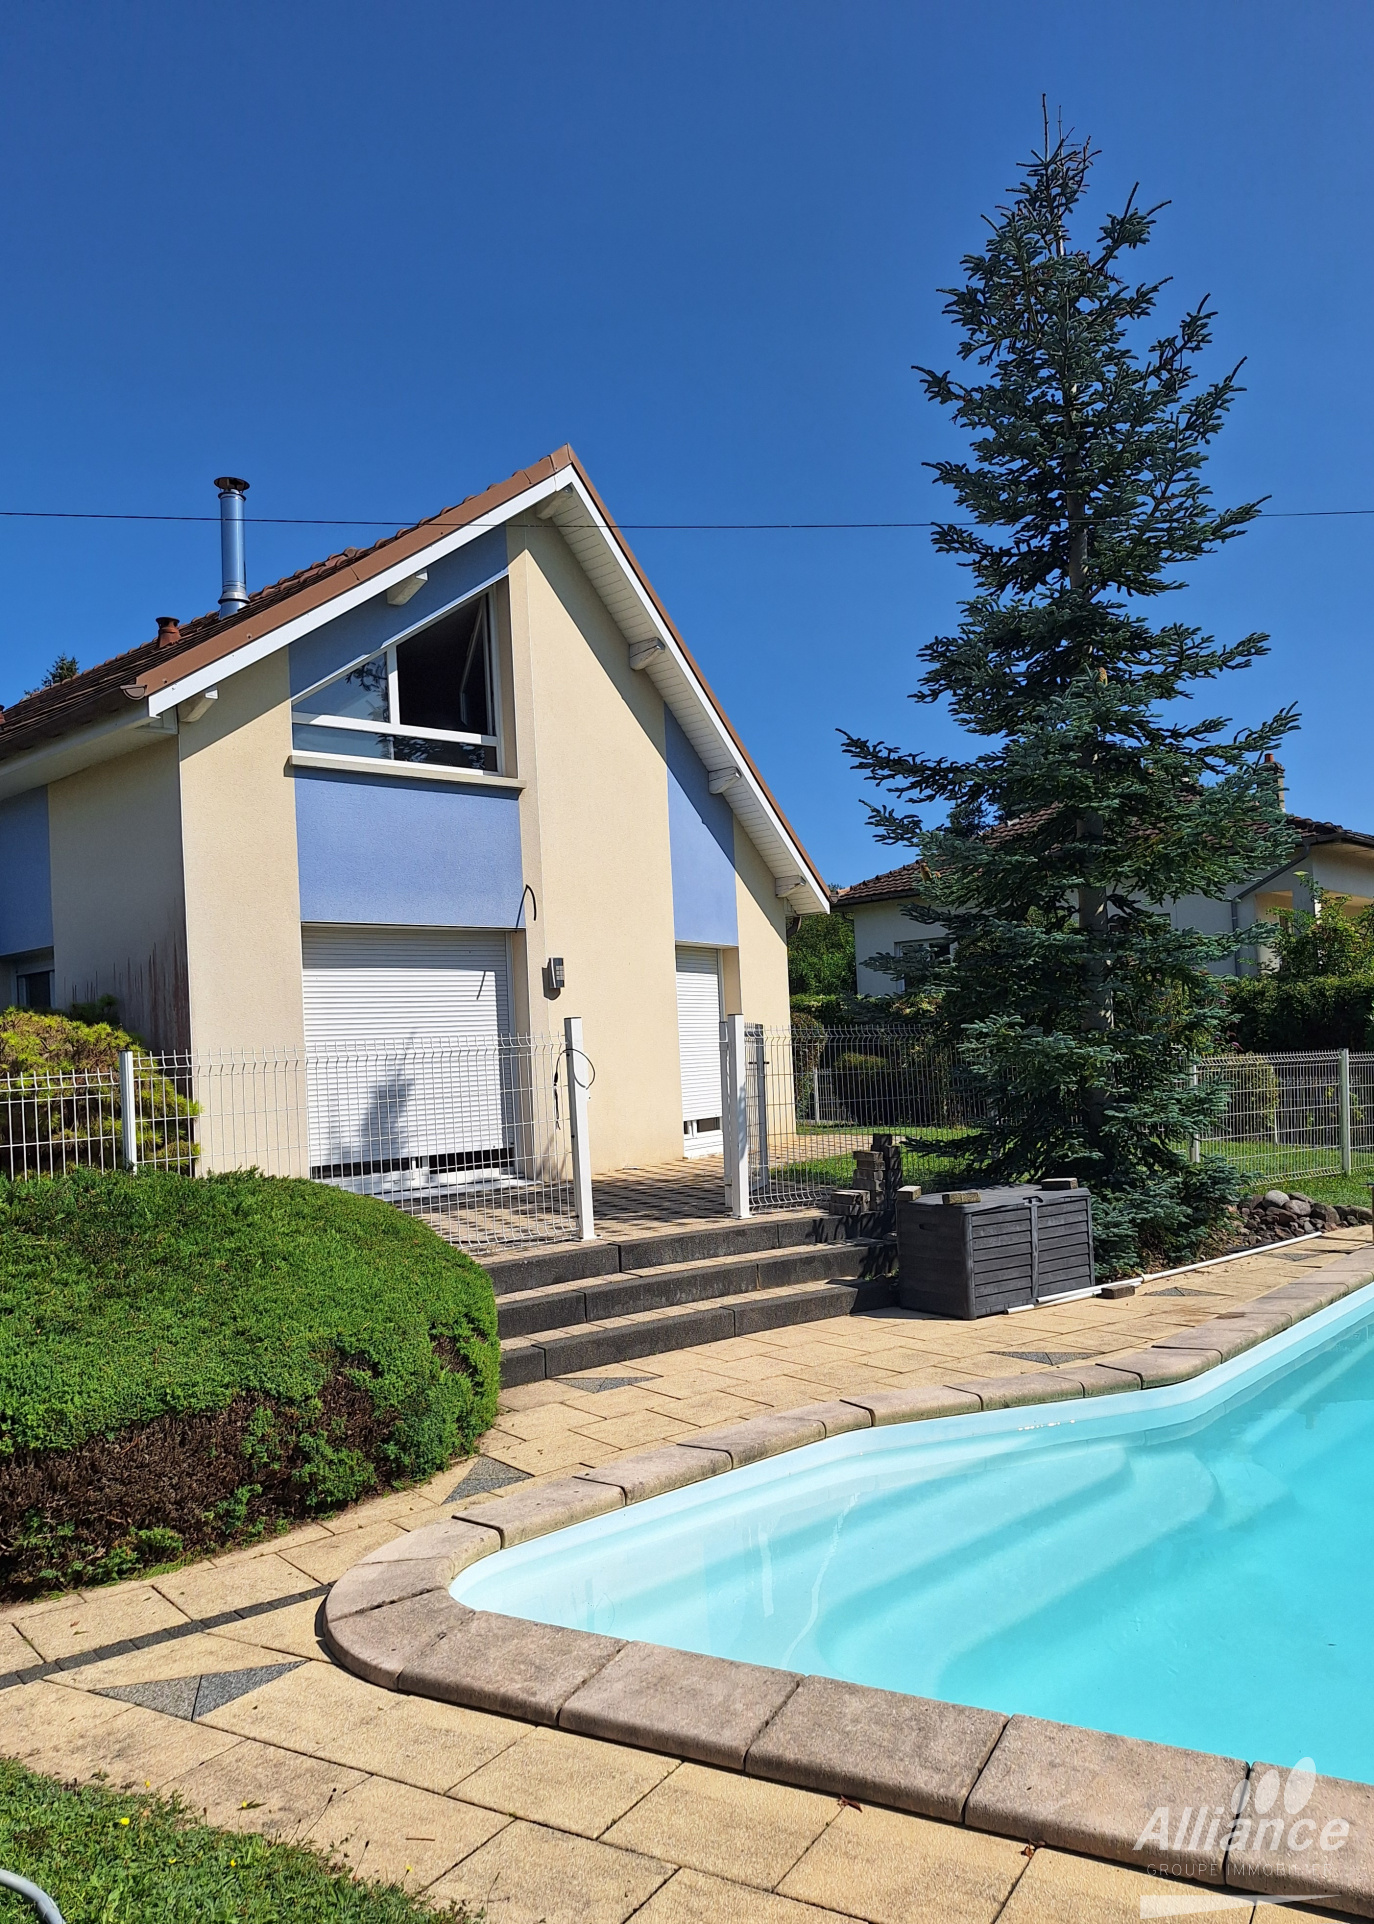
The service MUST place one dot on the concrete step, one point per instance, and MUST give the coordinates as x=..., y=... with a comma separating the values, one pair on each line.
x=623, y=1339
x=672, y=1285
x=579, y=1262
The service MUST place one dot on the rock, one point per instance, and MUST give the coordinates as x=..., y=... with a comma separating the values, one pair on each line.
x=1299, y=1207
x=1276, y=1198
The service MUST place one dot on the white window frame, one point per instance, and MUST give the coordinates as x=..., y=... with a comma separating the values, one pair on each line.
x=410, y=731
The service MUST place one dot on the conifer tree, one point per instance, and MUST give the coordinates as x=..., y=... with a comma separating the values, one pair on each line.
x=1092, y=798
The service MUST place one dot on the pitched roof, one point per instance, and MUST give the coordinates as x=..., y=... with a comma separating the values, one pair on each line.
x=146, y=671
x=899, y=883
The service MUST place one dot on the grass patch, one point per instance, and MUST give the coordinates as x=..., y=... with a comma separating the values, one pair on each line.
x=104, y=1856
x=185, y=1362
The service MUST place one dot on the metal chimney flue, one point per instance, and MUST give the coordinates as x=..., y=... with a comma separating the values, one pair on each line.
x=234, y=593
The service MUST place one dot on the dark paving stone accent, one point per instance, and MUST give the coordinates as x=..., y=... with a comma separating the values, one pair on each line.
x=1049, y=1356
x=192, y=1697
x=595, y=1384
x=486, y=1474
x=35, y=1672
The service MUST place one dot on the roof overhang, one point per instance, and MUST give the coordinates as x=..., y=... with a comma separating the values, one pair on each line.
x=98, y=741
x=564, y=497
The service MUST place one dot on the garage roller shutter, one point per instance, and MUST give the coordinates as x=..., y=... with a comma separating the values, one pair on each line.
x=403, y=1033
x=698, y=1031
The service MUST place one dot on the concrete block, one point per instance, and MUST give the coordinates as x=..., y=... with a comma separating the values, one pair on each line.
x=1154, y=1368
x=838, y=1417
x=1321, y=1848
x=917, y=1405
x=507, y=1665
x=707, y=1708
x=368, y=1585
x=877, y=1746
x=522, y=1361
x=1012, y=1392
x=378, y=1644
x=1083, y=1790
x=651, y=1472
x=463, y=1543
x=759, y=1436
x=1098, y=1381
x=535, y=1512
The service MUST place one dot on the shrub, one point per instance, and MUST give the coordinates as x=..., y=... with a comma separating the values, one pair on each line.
x=184, y=1363
x=59, y=1081
x=1275, y=1013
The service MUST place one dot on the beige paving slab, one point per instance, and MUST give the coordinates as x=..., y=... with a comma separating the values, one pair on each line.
x=691, y=1897
x=145, y=1748
x=1058, y=1889
x=704, y=1408
x=63, y=1733
x=893, y=1869
x=289, y=1632
x=531, y=1426
x=330, y=1714
x=256, y=1787
x=326, y=1558
x=391, y=1833
x=566, y=1451
x=572, y=1783
x=710, y=1820
x=205, y=1589
x=528, y=1874
x=16, y=1652
x=184, y=1657
x=101, y=1617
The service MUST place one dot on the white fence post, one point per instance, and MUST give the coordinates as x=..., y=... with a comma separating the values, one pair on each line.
x=1194, y=1142
x=1346, y=1160
x=734, y=1113
x=128, y=1111
x=581, y=1139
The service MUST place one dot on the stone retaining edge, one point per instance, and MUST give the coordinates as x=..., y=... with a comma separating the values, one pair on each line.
x=391, y=1620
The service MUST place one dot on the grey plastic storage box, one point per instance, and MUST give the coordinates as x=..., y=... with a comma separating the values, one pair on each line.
x=990, y=1250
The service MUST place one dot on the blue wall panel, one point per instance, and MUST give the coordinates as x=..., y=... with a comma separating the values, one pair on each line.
x=377, y=848
x=25, y=875
x=373, y=624
x=701, y=837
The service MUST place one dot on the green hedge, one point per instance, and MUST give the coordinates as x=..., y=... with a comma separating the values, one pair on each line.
x=1274, y=1013
x=215, y=1354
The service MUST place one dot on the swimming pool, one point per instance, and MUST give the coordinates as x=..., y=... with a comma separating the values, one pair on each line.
x=1193, y=1565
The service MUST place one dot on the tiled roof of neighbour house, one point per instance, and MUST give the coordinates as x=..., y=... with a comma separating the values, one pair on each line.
x=109, y=688
x=898, y=883
x=893, y=886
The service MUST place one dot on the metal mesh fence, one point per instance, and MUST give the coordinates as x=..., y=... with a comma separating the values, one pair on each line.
x=815, y=1096
x=1290, y=1117
x=473, y=1136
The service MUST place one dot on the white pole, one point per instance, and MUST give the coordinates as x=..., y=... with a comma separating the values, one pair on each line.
x=128, y=1111
x=734, y=1113
x=1346, y=1160
x=1194, y=1142
x=575, y=1058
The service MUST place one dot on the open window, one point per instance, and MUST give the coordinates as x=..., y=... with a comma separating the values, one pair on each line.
x=428, y=698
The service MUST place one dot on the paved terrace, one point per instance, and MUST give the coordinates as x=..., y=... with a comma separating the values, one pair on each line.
x=212, y=1682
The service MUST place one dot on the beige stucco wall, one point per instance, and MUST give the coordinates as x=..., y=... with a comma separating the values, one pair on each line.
x=758, y=977
x=243, y=915
x=594, y=835
x=114, y=835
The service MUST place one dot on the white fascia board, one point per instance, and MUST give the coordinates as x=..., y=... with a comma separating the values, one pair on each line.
x=680, y=687
x=253, y=651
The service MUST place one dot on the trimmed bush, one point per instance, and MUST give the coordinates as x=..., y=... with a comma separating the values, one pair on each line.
x=184, y=1363
x=1275, y=1013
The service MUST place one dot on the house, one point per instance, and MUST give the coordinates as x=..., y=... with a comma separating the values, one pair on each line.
x=1339, y=860
x=466, y=781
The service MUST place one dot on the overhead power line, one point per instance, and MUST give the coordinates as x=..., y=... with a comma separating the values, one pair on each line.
x=633, y=527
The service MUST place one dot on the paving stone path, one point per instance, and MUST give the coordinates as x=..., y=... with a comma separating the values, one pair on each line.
x=213, y=1682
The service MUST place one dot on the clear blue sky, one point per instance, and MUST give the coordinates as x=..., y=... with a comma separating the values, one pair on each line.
x=374, y=257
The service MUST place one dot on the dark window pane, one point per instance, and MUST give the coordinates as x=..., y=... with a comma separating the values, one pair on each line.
x=35, y=991
x=441, y=674
x=361, y=695
x=341, y=741
x=411, y=748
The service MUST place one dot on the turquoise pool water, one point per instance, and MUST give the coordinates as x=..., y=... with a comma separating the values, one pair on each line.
x=1193, y=1565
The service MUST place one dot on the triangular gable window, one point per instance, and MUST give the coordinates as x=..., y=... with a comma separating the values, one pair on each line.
x=430, y=698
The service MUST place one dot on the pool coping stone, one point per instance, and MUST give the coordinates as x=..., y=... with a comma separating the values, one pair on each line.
x=391, y=1620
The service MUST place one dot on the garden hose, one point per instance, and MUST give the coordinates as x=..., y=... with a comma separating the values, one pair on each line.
x=42, y=1903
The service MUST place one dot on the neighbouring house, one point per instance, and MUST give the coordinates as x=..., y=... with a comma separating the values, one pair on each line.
x=463, y=782
x=1339, y=860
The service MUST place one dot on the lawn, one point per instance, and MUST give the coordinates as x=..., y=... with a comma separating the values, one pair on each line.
x=105, y=1857
x=186, y=1363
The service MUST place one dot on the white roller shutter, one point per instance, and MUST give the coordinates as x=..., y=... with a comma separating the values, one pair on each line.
x=403, y=1033
x=698, y=1033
